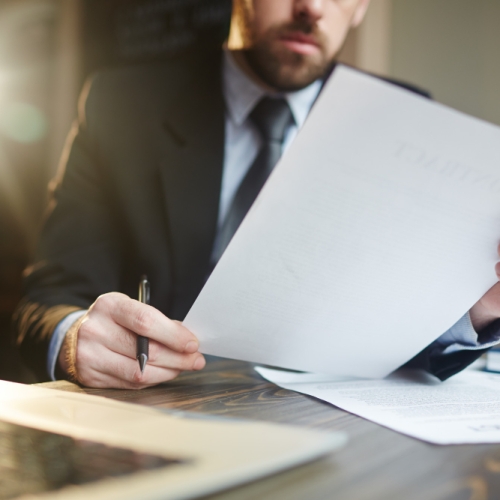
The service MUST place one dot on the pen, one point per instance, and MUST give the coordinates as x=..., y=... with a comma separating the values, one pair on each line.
x=142, y=350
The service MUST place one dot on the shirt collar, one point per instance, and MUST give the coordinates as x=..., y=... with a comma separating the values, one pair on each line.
x=242, y=94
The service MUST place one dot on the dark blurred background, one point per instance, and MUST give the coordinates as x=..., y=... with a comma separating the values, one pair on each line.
x=49, y=47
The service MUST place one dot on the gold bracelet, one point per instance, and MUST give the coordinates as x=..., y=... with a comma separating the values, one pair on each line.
x=71, y=346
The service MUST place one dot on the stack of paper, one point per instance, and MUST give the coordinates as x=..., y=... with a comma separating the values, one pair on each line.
x=464, y=409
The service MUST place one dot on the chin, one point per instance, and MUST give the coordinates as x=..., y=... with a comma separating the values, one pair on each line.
x=286, y=70
x=293, y=80
x=296, y=75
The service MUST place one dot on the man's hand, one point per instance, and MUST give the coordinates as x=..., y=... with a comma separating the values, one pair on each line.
x=106, y=345
x=487, y=309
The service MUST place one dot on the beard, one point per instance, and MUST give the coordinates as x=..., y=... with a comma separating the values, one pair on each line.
x=283, y=69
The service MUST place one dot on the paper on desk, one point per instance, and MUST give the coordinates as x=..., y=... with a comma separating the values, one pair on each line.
x=464, y=409
x=375, y=233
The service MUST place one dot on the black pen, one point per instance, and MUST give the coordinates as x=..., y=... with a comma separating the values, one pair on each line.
x=143, y=342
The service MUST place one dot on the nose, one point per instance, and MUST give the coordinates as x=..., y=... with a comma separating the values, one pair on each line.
x=310, y=10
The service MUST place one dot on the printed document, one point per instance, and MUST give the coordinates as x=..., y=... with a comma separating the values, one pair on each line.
x=374, y=234
x=464, y=409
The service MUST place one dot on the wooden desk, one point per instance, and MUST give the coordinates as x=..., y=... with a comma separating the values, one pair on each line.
x=376, y=464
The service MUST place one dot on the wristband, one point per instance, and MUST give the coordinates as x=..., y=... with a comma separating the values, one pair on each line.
x=70, y=350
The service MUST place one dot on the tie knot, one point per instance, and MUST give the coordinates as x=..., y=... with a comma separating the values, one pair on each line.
x=272, y=117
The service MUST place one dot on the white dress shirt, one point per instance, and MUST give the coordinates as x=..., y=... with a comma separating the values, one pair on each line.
x=242, y=144
x=243, y=141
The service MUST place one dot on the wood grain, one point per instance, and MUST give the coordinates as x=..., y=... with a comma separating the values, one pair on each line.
x=376, y=464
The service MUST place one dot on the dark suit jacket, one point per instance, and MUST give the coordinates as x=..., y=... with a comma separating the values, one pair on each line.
x=137, y=193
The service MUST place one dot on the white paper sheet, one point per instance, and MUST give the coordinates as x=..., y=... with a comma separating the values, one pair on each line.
x=464, y=409
x=375, y=233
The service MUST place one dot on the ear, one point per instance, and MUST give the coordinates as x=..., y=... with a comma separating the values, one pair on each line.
x=359, y=13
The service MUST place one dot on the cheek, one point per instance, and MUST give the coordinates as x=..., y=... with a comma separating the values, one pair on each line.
x=268, y=13
x=334, y=26
x=335, y=42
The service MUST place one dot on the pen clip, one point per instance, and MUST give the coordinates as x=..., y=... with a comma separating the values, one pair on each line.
x=144, y=290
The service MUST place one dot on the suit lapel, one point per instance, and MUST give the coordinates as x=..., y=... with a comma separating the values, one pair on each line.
x=191, y=175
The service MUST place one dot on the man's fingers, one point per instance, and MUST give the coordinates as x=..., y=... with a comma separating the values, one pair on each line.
x=497, y=269
x=103, y=381
x=104, y=331
x=122, y=341
x=99, y=366
x=107, y=339
x=99, y=380
x=146, y=321
x=162, y=356
x=128, y=370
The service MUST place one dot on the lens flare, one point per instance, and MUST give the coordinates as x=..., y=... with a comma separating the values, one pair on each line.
x=22, y=122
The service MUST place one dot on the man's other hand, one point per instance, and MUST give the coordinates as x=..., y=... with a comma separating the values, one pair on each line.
x=106, y=345
x=487, y=309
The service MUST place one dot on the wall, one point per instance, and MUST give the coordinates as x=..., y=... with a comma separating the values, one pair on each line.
x=450, y=47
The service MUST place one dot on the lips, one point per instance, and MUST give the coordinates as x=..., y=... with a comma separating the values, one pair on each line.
x=301, y=43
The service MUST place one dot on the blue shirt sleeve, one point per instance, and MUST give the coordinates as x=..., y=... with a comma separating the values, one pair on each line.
x=462, y=337
x=57, y=340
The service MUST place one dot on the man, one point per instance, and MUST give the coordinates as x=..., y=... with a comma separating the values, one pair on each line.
x=163, y=166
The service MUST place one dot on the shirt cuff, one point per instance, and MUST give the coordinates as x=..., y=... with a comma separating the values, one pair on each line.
x=462, y=337
x=57, y=340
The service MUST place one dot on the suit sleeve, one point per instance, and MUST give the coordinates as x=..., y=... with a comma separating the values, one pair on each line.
x=78, y=255
x=456, y=349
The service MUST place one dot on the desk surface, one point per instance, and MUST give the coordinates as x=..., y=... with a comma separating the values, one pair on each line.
x=376, y=464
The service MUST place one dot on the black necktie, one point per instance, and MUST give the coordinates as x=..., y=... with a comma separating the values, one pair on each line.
x=272, y=117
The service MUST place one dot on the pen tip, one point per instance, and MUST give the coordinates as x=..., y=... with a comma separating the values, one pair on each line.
x=143, y=359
